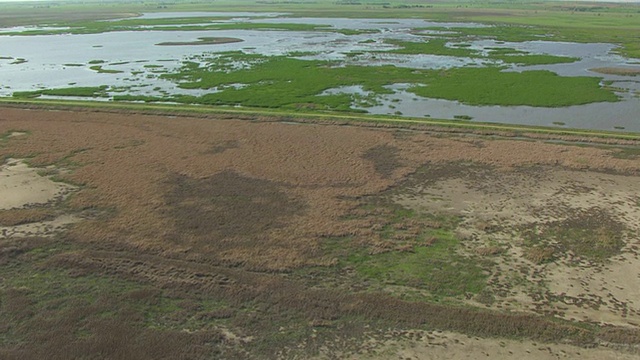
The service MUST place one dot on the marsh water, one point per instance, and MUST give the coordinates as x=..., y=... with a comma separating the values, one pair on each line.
x=136, y=61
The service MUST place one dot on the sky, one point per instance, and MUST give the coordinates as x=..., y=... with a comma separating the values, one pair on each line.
x=620, y=1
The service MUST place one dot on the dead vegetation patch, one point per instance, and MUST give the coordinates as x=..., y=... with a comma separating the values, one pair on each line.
x=384, y=158
x=228, y=205
x=593, y=234
x=617, y=71
x=25, y=216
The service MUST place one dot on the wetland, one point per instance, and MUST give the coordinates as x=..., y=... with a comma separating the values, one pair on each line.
x=395, y=67
x=276, y=182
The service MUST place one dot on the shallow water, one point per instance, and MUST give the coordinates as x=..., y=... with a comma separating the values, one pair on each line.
x=601, y=116
x=186, y=14
x=135, y=53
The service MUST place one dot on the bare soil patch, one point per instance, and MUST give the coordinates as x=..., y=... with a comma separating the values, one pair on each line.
x=447, y=345
x=21, y=185
x=29, y=201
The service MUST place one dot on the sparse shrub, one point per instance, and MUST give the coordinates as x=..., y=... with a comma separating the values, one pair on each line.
x=489, y=250
x=540, y=254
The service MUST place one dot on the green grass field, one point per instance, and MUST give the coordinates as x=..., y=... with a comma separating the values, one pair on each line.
x=283, y=82
x=286, y=82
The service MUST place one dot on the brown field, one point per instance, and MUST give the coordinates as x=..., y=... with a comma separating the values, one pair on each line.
x=175, y=237
x=618, y=71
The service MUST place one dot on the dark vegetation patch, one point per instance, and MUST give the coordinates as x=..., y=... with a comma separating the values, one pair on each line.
x=627, y=153
x=91, y=321
x=385, y=159
x=591, y=234
x=165, y=296
x=619, y=335
x=99, y=69
x=224, y=146
x=228, y=205
x=19, y=61
x=202, y=41
x=476, y=175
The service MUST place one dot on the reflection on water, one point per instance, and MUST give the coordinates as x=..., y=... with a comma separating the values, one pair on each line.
x=135, y=64
x=606, y=116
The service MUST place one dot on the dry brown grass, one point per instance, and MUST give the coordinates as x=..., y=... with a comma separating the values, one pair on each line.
x=25, y=216
x=540, y=254
x=617, y=71
x=221, y=210
x=489, y=250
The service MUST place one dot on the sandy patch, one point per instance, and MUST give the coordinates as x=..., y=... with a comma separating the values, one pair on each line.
x=500, y=207
x=41, y=228
x=21, y=185
x=447, y=345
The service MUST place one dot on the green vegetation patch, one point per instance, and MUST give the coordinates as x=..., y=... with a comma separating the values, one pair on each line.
x=492, y=86
x=282, y=82
x=626, y=153
x=431, y=47
x=97, y=91
x=437, y=268
x=414, y=255
x=177, y=24
x=349, y=32
x=99, y=69
x=47, y=308
x=509, y=33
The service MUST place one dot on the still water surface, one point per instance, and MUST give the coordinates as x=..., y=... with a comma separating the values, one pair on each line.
x=56, y=61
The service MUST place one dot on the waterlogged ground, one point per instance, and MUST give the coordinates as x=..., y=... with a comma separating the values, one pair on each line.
x=130, y=60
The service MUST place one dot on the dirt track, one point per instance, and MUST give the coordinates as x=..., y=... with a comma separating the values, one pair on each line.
x=223, y=206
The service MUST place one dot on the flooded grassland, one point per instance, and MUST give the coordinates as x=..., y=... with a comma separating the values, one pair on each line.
x=400, y=67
